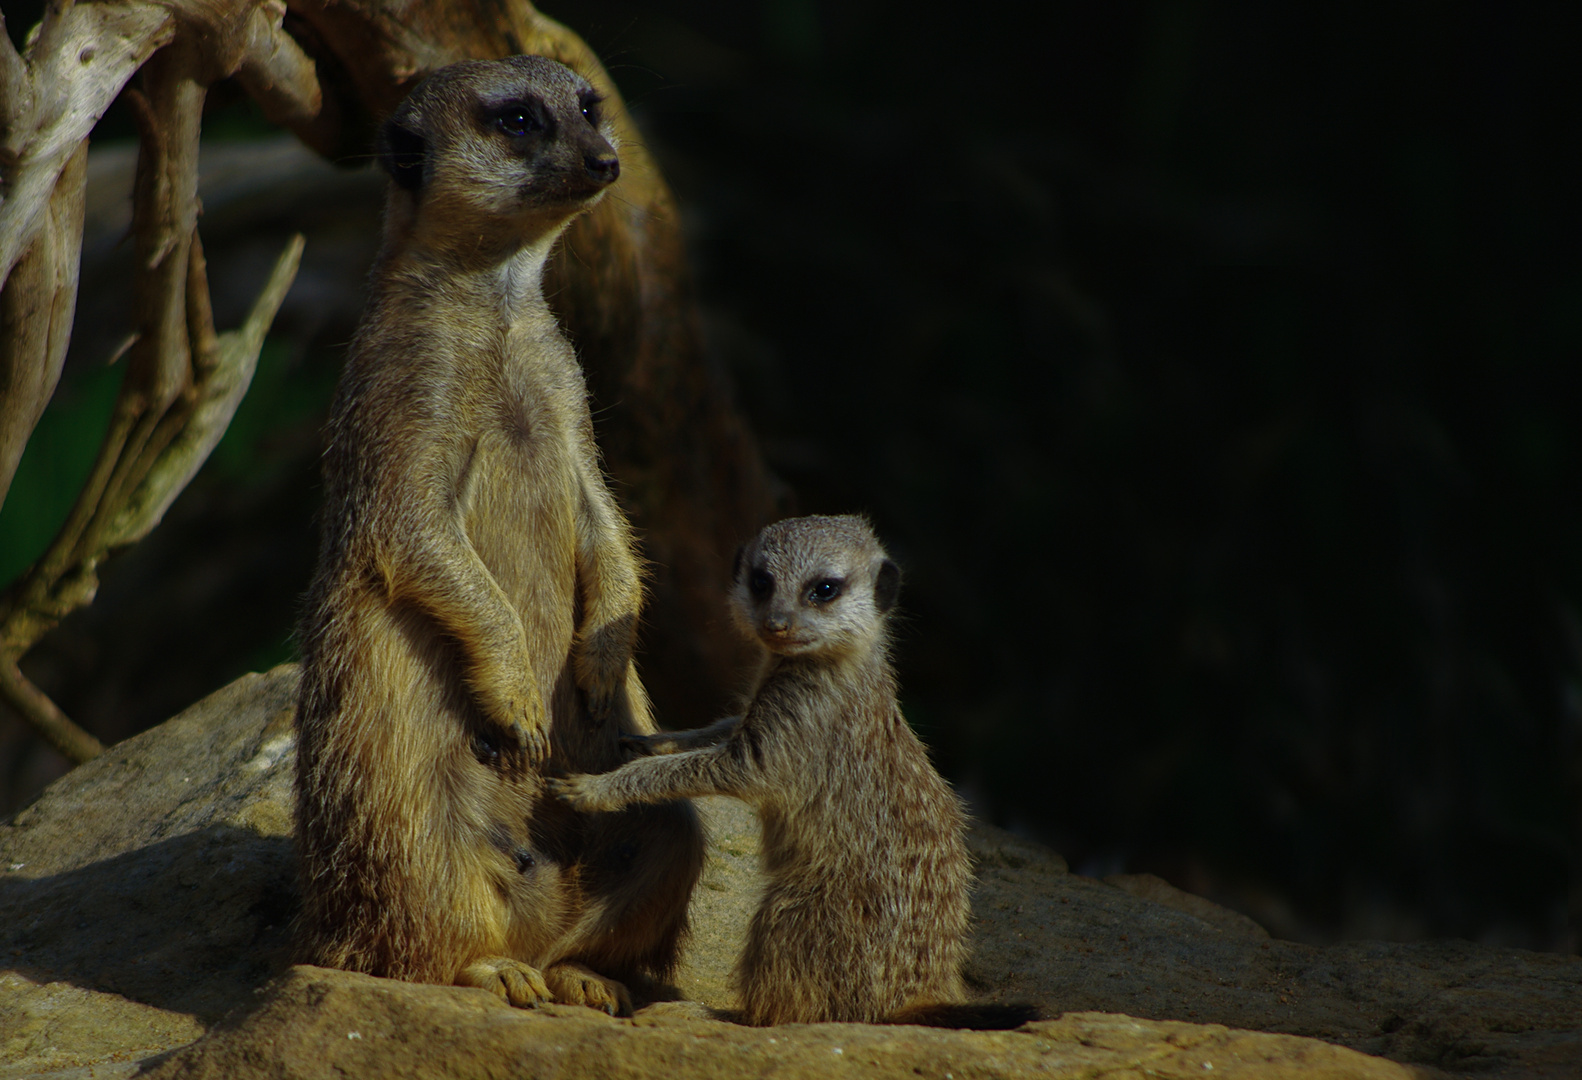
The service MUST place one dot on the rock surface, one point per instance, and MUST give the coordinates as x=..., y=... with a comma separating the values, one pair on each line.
x=145, y=899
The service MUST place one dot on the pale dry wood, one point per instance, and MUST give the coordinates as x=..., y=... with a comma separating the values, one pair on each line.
x=79, y=61
x=36, y=310
x=283, y=79
x=45, y=715
x=183, y=381
x=220, y=391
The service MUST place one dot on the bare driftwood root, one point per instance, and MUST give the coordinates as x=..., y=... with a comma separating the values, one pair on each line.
x=183, y=381
x=691, y=473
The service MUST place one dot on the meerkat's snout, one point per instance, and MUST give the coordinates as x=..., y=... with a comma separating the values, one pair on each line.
x=603, y=166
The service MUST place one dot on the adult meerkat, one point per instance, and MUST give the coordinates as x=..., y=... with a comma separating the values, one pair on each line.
x=866, y=910
x=472, y=618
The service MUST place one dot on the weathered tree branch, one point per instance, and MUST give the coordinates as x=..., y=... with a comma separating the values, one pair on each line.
x=80, y=60
x=226, y=370
x=36, y=311
x=283, y=79
x=183, y=382
x=46, y=718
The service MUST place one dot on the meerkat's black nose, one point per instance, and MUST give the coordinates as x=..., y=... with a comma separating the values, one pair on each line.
x=602, y=167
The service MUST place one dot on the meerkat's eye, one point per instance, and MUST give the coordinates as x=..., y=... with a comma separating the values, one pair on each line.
x=761, y=583
x=516, y=122
x=590, y=108
x=822, y=592
x=516, y=117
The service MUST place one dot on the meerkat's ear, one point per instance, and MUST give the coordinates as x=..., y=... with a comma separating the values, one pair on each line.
x=402, y=149
x=886, y=586
x=736, y=563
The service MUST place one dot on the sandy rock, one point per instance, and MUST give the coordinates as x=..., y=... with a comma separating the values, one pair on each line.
x=145, y=899
x=319, y=1023
x=1157, y=889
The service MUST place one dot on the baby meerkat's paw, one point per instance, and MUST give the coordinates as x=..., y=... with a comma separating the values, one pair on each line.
x=640, y=745
x=511, y=981
x=644, y=745
x=581, y=792
x=574, y=984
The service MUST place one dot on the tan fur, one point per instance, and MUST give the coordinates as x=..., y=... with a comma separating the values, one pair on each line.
x=866, y=907
x=473, y=615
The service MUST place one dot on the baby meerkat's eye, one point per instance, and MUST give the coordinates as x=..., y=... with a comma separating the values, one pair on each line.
x=590, y=109
x=761, y=583
x=826, y=590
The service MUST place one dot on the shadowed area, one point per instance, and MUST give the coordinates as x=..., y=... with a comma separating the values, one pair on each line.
x=193, y=924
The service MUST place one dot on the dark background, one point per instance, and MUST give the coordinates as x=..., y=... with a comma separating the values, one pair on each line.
x=1210, y=368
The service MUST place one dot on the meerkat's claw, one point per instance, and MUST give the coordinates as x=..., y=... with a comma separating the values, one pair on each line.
x=575, y=791
x=574, y=984
x=509, y=980
x=535, y=746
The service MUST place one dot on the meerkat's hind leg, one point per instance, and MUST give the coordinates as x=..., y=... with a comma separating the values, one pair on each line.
x=574, y=984
x=639, y=872
x=510, y=980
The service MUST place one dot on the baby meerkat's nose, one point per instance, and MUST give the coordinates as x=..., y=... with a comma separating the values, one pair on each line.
x=776, y=624
x=603, y=167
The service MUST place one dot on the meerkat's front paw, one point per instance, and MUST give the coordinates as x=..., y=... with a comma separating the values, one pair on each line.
x=601, y=663
x=518, y=710
x=509, y=980
x=574, y=984
x=581, y=792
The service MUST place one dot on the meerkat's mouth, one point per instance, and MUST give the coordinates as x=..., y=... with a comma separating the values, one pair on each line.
x=782, y=643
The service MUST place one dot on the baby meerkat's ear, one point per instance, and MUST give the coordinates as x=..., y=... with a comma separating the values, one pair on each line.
x=886, y=586
x=402, y=149
x=736, y=563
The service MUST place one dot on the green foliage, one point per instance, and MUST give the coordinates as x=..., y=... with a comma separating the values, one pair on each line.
x=284, y=396
x=54, y=466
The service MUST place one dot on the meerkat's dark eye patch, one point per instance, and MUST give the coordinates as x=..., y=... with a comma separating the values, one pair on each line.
x=518, y=118
x=761, y=583
x=590, y=101
x=824, y=590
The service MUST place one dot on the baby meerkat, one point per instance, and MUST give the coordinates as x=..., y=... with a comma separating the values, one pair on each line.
x=866, y=910
x=473, y=614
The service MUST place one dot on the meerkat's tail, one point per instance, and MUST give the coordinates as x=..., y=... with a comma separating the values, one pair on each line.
x=981, y=1017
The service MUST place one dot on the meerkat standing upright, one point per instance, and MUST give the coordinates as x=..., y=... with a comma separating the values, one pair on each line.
x=865, y=912
x=474, y=610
